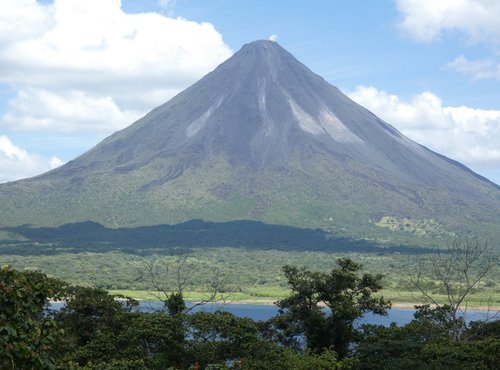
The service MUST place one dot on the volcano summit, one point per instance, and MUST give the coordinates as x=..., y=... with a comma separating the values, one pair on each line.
x=261, y=138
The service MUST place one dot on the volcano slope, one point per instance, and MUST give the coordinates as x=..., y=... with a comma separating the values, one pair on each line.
x=262, y=138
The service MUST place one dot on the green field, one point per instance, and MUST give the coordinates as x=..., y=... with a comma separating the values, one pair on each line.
x=246, y=274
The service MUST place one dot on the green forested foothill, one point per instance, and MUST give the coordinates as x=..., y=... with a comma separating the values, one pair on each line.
x=96, y=330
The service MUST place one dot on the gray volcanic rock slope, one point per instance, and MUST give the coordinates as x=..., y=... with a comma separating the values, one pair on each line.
x=260, y=137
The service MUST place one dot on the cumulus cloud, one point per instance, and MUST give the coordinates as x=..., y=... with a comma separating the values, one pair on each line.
x=91, y=52
x=40, y=109
x=16, y=163
x=86, y=66
x=427, y=20
x=471, y=136
x=273, y=37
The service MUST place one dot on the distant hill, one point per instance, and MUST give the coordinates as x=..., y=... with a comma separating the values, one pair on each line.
x=262, y=138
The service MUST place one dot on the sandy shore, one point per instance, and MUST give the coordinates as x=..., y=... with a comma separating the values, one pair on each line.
x=398, y=305
x=408, y=306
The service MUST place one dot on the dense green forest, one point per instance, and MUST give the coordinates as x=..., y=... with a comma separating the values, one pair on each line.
x=249, y=274
x=313, y=329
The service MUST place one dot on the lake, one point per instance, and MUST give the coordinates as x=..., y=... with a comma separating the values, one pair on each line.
x=256, y=312
x=265, y=312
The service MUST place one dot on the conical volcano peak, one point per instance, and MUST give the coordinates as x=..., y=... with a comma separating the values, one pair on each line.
x=261, y=137
x=259, y=109
x=261, y=58
x=263, y=46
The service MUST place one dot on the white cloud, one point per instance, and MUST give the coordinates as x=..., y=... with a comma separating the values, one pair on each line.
x=273, y=37
x=167, y=4
x=426, y=20
x=85, y=66
x=478, y=20
x=89, y=60
x=93, y=42
x=33, y=17
x=16, y=163
x=471, y=136
x=38, y=109
x=478, y=69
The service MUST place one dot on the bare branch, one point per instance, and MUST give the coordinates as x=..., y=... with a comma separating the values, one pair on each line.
x=215, y=288
x=459, y=271
x=170, y=276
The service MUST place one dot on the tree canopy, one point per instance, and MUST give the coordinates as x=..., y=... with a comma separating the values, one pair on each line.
x=314, y=330
x=323, y=306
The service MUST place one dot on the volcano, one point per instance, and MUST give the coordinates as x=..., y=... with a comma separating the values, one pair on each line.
x=261, y=138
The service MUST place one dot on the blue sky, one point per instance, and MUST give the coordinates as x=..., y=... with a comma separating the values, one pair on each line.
x=74, y=71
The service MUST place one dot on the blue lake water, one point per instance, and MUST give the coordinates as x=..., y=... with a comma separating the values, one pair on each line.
x=264, y=312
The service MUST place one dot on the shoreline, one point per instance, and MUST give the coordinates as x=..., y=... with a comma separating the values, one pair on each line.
x=396, y=305
x=271, y=302
x=411, y=306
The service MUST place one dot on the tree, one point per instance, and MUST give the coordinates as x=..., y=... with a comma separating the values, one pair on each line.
x=324, y=306
x=219, y=336
x=459, y=270
x=422, y=344
x=26, y=334
x=220, y=339
x=92, y=320
x=393, y=347
x=101, y=331
x=170, y=277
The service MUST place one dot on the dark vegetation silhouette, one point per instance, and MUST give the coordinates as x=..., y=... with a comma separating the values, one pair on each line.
x=92, y=236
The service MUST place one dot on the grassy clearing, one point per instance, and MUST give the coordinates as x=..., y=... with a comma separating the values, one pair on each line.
x=198, y=296
x=478, y=299
x=270, y=295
